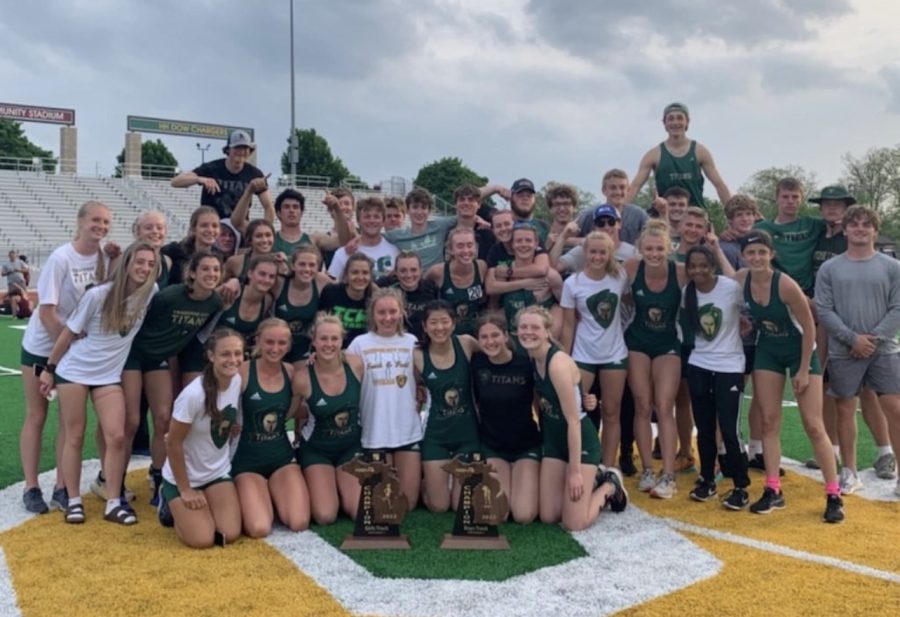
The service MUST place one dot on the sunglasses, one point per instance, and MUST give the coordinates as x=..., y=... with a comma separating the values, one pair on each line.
x=605, y=222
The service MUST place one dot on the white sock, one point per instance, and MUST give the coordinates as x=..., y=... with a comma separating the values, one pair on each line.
x=721, y=448
x=837, y=452
x=111, y=504
x=75, y=501
x=755, y=447
x=882, y=450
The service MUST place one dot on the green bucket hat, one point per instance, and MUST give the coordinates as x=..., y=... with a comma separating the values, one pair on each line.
x=836, y=192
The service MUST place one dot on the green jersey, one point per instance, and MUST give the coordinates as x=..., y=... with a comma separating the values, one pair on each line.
x=264, y=414
x=451, y=418
x=654, y=330
x=775, y=322
x=683, y=171
x=283, y=246
x=334, y=420
x=298, y=318
x=231, y=318
x=173, y=320
x=795, y=243
x=467, y=301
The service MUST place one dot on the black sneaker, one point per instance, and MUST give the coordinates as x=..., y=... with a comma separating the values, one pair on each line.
x=155, y=478
x=759, y=464
x=60, y=499
x=769, y=501
x=618, y=501
x=34, y=501
x=703, y=490
x=626, y=465
x=736, y=499
x=163, y=512
x=834, y=510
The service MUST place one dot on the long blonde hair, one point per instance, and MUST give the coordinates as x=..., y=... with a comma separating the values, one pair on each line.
x=613, y=267
x=120, y=309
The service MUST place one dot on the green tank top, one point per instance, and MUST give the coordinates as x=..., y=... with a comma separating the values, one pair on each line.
x=283, y=246
x=683, y=171
x=774, y=321
x=335, y=419
x=264, y=413
x=553, y=420
x=452, y=414
x=655, y=313
x=466, y=300
x=162, y=281
x=298, y=318
x=231, y=318
x=515, y=301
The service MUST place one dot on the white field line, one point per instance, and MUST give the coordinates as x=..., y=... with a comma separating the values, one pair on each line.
x=8, y=605
x=9, y=372
x=761, y=545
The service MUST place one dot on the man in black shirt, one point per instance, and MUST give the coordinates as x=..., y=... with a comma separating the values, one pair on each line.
x=224, y=180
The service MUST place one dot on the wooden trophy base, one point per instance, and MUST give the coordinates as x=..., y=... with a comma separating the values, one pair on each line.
x=475, y=543
x=396, y=543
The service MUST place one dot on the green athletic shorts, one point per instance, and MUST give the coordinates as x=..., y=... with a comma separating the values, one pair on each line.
x=436, y=450
x=262, y=460
x=309, y=455
x=557, y=446
x=170, y=491
x=138, y=361
x=58, y=379
x=532, y=454
x=621, y=365
x=778, y=358
x=27, y=358
x=653, y=349
x=192, y=359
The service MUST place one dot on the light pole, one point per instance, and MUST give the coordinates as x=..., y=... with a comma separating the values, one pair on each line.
x=294, y=143
x=203, y=150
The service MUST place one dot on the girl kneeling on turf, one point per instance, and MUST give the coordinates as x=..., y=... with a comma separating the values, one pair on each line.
x=264, y=470
x=452, y=428
x=569, y=468
x=331, y=437
x=196, y=482
x=91, y=352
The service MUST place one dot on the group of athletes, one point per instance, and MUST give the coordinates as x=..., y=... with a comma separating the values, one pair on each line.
x=550, y=347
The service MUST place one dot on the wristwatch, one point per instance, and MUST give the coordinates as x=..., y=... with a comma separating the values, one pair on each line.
x=50, y=368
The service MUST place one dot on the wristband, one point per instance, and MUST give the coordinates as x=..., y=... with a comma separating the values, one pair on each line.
x=50, y=368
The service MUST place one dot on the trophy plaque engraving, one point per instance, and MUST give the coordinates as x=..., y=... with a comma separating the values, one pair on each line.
x=481, y=508
x=382, y=506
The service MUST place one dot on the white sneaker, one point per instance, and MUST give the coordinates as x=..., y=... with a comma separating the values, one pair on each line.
x=647, y=481
x=98, y=488
x=665, y=488
x=850, y=482
x=897, y=490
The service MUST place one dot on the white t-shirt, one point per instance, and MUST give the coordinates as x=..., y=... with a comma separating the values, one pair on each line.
x=717, y=342
x=383, y=254
x=207, y=455
x=63, y=279
x=388, y=402
x=98, y=358
x=599, y=336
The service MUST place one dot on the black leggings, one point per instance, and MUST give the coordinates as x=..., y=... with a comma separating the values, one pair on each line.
x=718, y=395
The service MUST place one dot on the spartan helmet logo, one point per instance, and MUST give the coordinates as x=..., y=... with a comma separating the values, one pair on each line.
x=451, y=397
x=545, y=405
x=710, y=321
x=602, y=306
x=401, y=380
x=341, y=419
x=655, y=314
x=462, y=310
x=770, y=326
x=270, y=423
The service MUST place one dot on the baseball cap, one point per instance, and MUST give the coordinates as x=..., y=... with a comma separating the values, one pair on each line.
x=676, y=106
x=757, y=236
x=835, y=191
x=606, y=211
x=240, y=137
x=522, y=184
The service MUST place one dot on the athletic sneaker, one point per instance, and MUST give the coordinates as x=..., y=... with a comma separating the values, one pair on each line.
x=34, y=501
x=850, y=482
x=154, y=476
x=769, y=501
x=665, y=488
x=60, y=499
x=834, y=510
x=684, y=464
x=897, y=490
x=98, y=488
x=703, y=490
x=736, y=499
x=618, y=501
x=886, y=466
x=626, y=464
x=811, y=463
x=647, y=481
x=759, y=464
x=164, y=513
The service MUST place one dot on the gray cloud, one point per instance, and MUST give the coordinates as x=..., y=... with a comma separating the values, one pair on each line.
x=891, y=77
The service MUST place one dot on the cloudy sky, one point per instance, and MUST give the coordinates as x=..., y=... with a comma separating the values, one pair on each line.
x=548, y=89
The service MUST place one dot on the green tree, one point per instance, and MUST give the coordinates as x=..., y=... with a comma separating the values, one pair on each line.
x=156, y=161
x=444, y=176
x=874, y=179
x=316, y=159
x=15, y=145
x=761, y=187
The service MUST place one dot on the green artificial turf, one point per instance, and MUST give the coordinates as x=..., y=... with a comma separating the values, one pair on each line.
x=531, y=547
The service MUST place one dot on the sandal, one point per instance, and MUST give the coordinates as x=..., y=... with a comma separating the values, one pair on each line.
x=75, y=513
x=121, y=515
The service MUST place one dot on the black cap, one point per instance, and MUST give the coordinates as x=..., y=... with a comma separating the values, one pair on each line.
x=522, y=184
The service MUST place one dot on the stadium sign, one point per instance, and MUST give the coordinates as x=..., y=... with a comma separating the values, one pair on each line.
x=184, y=128
x=31, y=113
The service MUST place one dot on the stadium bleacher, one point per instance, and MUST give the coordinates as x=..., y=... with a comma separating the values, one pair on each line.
x=38, y=210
